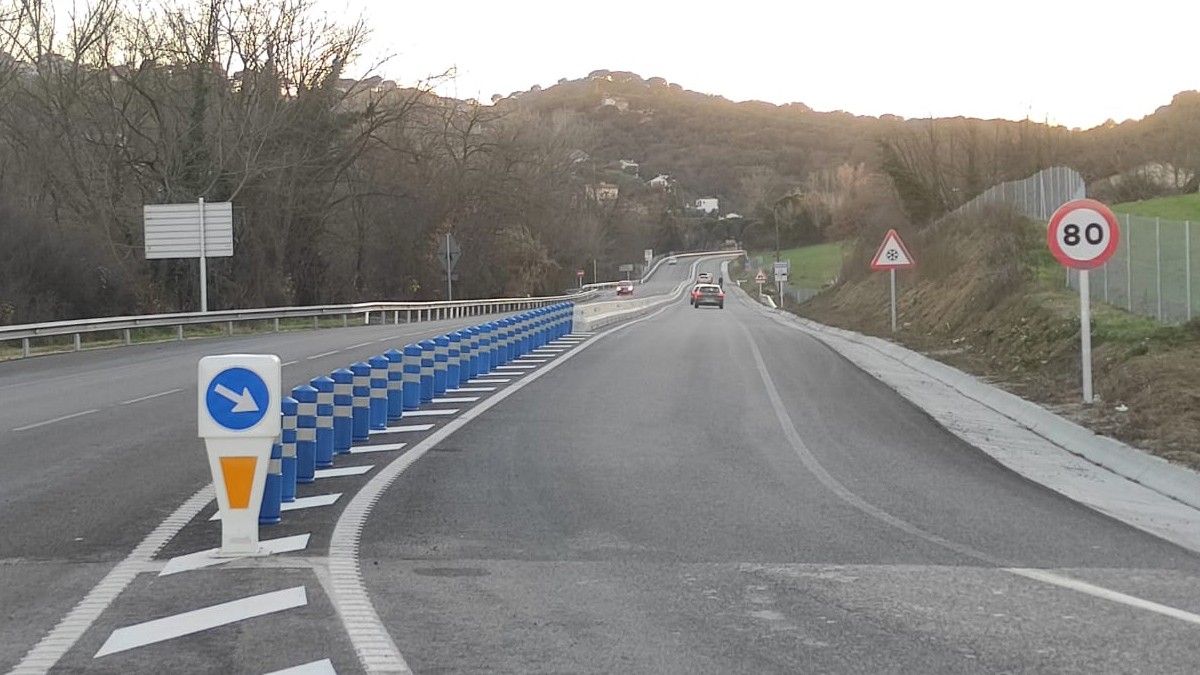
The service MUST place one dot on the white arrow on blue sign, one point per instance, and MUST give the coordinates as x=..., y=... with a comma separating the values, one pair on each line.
x=237, y=398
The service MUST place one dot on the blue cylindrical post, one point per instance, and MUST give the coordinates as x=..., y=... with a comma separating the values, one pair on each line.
x=543, y=327
x=441, y=359
x=360, y=412
x=473, y=337
x=412, y=377
x=500, y=356
x=306, y=432
x=287, y=437
x=343, y=410
x=324, y=386
x=485, y=348
x=272, y=499
x=452, y=356
x=427, y=347
x=395, y=390
x=523, y=343
x=464, y=356
x=379, y=395
x=510, y=349
x=570, y=318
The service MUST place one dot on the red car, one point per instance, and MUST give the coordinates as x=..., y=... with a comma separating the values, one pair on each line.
x=707, y=294
x=625, y=288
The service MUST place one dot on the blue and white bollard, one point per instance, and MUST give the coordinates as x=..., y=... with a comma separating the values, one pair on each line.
x=379, y=392
x=324, y=386
x=343, y=410
x=514, y=324
x=452, y=357
x=287, y=437
x=494, y=338
x=570, y=318
x=427, y=347
x=501, y=353
x=360, y=411
x=306, y=433
x=523, y=335
x=412, y=377
x=464, y=357
x=485, y=349
x=272, y=499
x=395, y=389
x=441, y=358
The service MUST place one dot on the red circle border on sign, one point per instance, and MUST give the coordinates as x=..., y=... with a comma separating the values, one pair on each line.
x=1114, y=229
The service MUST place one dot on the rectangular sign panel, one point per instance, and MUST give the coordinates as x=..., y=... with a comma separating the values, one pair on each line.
x=173, y=230
x=781, y=267
x=625, y=268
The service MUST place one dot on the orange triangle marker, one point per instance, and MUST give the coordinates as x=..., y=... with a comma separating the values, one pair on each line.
x=239, y=478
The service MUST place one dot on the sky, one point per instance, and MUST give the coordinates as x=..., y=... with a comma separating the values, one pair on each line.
x=1067, y=62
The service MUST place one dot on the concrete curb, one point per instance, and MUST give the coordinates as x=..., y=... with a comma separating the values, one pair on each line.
x=1155, y=473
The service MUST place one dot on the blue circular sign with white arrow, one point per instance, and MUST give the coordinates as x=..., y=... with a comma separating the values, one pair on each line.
x=237, y=398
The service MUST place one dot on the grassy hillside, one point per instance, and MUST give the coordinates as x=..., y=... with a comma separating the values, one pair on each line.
x=1178, y=207
x=812, y=266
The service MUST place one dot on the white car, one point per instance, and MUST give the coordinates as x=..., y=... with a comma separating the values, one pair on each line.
x=672, y=261
x=704, y=278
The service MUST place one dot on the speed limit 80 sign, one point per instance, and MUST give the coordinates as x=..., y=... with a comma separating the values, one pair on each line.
x=1083, y=234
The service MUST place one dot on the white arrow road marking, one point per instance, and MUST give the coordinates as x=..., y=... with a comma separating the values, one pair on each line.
x=322, y=667
x=300, y=503
x=208, y=558
x=343, y=471
x=403, y=428
x=243, y=402
x=142, y=634
x=385, y=447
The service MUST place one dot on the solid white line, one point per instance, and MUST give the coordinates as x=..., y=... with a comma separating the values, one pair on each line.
x=322, y=355
x=289, y=363
x=402, y=428
x=1104, y=593
x=208, y=558
x=142, y=634
x=492, y=380
x=514, y=367
x=357, y=346
x=549, y=350
x=27, y=427
x=430, y=413
x=322, y=667
x=456, y=399
x=470, y=389
x=58, y=641
x=340, y=471
x=527, y=359
x=147, y=398
x=300, y=503
x=385, y=447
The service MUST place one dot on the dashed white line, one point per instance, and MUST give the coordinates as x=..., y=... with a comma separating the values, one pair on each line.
x=300, y=503
x=290, y=363
x=384, y=447
x=340, y=471
x=147, y=398
x=195, y=621
x=456, y=399
x=357, y=346
x=403, y=428
x=322, y=355
x=322, y=667
x=27, y=427
x=208, y=558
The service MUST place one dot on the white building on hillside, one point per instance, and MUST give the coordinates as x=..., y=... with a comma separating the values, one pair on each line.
x=707, y=204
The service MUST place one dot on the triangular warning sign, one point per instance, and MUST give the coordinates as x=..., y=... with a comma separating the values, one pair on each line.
x=892, y=254
x=761, y=277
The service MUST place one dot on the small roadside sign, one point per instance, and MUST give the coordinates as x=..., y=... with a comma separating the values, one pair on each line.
x=761, y=277
x=579, y=273
x=892, y=254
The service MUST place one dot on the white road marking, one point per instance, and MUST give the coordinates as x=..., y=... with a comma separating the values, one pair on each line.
x=514, y=367
x=550, y=350
x=208, y=558
x=1103, y=593
x=322, y=667
x=357, y=346
x=404, y=428
x=195, y=621
x=322, y=355
x=147, y=398
x=340, y=471
x=27, y=427
x=456, y=399
x=290, y=363
x=385, y=447
x=469, y=389
x=529, y=359
x=493, y=380
x=300, y=503
x=431, y=413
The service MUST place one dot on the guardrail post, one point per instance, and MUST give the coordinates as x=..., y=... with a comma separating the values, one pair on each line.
x=179, y=332
x=306, y=433
x=412, y=377
x=452, y=357
x=78, y=342
x=367, y=318
x=324, y=453
x=345, y=320
x=287, y=436
x=316, y=322
x=379, y=392
x=25, y=347
x=427, y=347
x=343, y=410
x=276, y=324
x=395, y=388
x=396, y=317
x=128, y=338
x=361, y=410
x=229, y=327
x=272, y=498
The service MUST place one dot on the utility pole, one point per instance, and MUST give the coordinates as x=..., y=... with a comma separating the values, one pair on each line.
x=449, y=281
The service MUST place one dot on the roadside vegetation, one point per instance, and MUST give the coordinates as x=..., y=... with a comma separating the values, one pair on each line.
x=1174, y=207
x=814, y=266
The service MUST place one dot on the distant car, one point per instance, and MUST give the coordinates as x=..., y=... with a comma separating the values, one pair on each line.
x=625, y=288
x=708, y=294
x=704, y=277
x=672, y=261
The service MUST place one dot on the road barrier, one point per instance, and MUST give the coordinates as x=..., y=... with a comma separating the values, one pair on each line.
x=378, y=406
x=324, y=448
x=427, y=347
x=395, y=384
x=343, y=409
x=441, y=359
x=287, y=438
x=412, y=377
x=306, y=432
x=272, y=501
x=360, y=413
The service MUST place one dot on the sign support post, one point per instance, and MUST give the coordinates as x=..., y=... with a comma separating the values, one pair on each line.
x=892, y=255
x=203, y=263
x=892, y=274
x=449, y=267
x=1085, y=334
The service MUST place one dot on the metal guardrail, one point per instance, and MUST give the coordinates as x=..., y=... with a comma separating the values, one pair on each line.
x=422, y=311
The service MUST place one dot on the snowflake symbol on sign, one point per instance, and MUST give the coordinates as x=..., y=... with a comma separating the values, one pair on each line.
x=893, y=255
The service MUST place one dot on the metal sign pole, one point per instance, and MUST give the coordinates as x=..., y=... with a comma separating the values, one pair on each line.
x=1085, y=334
x=893, y=277
x=203, y=263
x=449, y=281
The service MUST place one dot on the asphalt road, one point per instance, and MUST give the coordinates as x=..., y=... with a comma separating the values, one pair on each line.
x=701, y=491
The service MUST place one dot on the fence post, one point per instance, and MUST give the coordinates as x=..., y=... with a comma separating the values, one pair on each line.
x=1129, y=266
x=1158, y=265
x=1187, y=265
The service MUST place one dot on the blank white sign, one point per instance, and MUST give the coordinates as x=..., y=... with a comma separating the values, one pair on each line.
x=173, y=230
